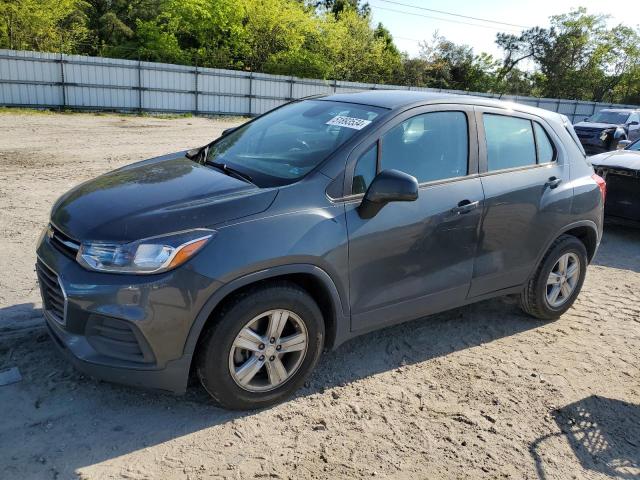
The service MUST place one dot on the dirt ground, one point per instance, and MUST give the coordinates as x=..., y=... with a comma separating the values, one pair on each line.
x=479, y=392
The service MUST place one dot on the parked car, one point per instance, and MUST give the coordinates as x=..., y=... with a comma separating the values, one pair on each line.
x=621, y=170
x=314, y=223
x=603, y=131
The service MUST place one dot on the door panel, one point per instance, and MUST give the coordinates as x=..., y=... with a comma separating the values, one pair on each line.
x=520, y=215
x=414, y=258
x=523, y=209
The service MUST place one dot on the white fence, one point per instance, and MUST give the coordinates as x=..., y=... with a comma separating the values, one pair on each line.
x=51, y=80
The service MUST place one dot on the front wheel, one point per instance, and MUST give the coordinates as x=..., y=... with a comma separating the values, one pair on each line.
x=557, y=281
x=262, y=346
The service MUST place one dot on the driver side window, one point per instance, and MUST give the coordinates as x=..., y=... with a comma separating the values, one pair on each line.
x=365, y=170
x=432, y=146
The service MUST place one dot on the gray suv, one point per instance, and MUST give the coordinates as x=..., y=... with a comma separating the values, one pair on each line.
x=326, y=218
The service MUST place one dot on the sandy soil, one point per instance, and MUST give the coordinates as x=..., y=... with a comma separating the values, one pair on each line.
x=479, y=392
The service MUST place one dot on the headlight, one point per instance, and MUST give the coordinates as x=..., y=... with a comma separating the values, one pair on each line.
x=150, y=255
x=605, y=134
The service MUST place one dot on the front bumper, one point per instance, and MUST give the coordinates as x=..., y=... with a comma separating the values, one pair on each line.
x=623, y=202
x=593, y=144
x=173, y=377
x=129, y=329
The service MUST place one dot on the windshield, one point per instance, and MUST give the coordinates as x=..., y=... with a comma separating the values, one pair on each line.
x=604, y=116
x=634, y=146
x=286, y=144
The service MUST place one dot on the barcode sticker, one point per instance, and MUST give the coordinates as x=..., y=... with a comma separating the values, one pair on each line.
x=349, y=122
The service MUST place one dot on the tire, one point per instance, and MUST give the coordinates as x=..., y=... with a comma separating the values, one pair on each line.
x=534, y=299
x=217, y=354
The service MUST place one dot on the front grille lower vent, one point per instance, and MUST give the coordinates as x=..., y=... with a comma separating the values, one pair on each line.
x=53, y=297
x=118, y=339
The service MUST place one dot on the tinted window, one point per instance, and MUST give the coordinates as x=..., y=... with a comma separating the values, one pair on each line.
x=510, y=142
x=284, y=145
x=634, y=146
x=365, y=170
x=543, y=144
x=634, y=118
x=432, y=146
x=609, y=116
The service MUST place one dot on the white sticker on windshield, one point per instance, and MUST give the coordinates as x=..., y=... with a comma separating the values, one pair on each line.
x=349, y=122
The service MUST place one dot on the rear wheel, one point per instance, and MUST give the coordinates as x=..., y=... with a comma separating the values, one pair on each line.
x=262, y=347
x=557, y=281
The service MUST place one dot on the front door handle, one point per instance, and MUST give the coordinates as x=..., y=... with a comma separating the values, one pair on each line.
x=465, y=206
x=553, y=182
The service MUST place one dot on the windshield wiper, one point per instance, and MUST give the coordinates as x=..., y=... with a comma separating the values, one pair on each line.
x=231, y=171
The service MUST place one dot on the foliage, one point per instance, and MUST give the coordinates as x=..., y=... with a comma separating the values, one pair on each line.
x=578, y=56
x=336, y=7
x=45, y=25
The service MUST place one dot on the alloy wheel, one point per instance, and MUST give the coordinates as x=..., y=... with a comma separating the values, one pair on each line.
x=268, y=350
x=563, y=279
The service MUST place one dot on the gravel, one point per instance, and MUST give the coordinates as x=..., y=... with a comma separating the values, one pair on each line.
x=479, y=392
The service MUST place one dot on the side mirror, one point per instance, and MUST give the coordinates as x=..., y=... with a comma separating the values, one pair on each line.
x=227, y=131
x=194, y=153
x=197, y=154
x=622, y=144
x=388, y=186
x=633, y=123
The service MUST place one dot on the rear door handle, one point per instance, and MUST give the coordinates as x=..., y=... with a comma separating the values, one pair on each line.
x=553, y=182
x=465, y=206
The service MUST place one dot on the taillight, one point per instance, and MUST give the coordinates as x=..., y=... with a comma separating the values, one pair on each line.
x=602, y=185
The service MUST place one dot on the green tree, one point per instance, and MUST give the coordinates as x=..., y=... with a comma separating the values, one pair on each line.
x=336, y=7
x=577, y=57
x=354, y=51
x=113, y=24
x=448, y=65
x=278, y=31
x=42, y=25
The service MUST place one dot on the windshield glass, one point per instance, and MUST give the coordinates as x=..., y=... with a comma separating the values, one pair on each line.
x=634, y=146
x=286, y=144
x=604, y=116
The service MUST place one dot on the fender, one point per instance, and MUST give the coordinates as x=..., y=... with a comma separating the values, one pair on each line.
x=582, y=223
x=342, y=322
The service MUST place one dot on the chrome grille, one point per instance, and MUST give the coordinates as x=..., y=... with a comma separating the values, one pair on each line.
x=63, y=242
x=587, y=133
x=53, y=297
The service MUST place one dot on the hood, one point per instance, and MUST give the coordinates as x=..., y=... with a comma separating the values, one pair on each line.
x=595, y=126
x=157, y=196
x=618, y=159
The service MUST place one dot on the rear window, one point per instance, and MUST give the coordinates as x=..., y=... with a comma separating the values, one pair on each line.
x=514, y=142
x=510, y=142
x=544, y=147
